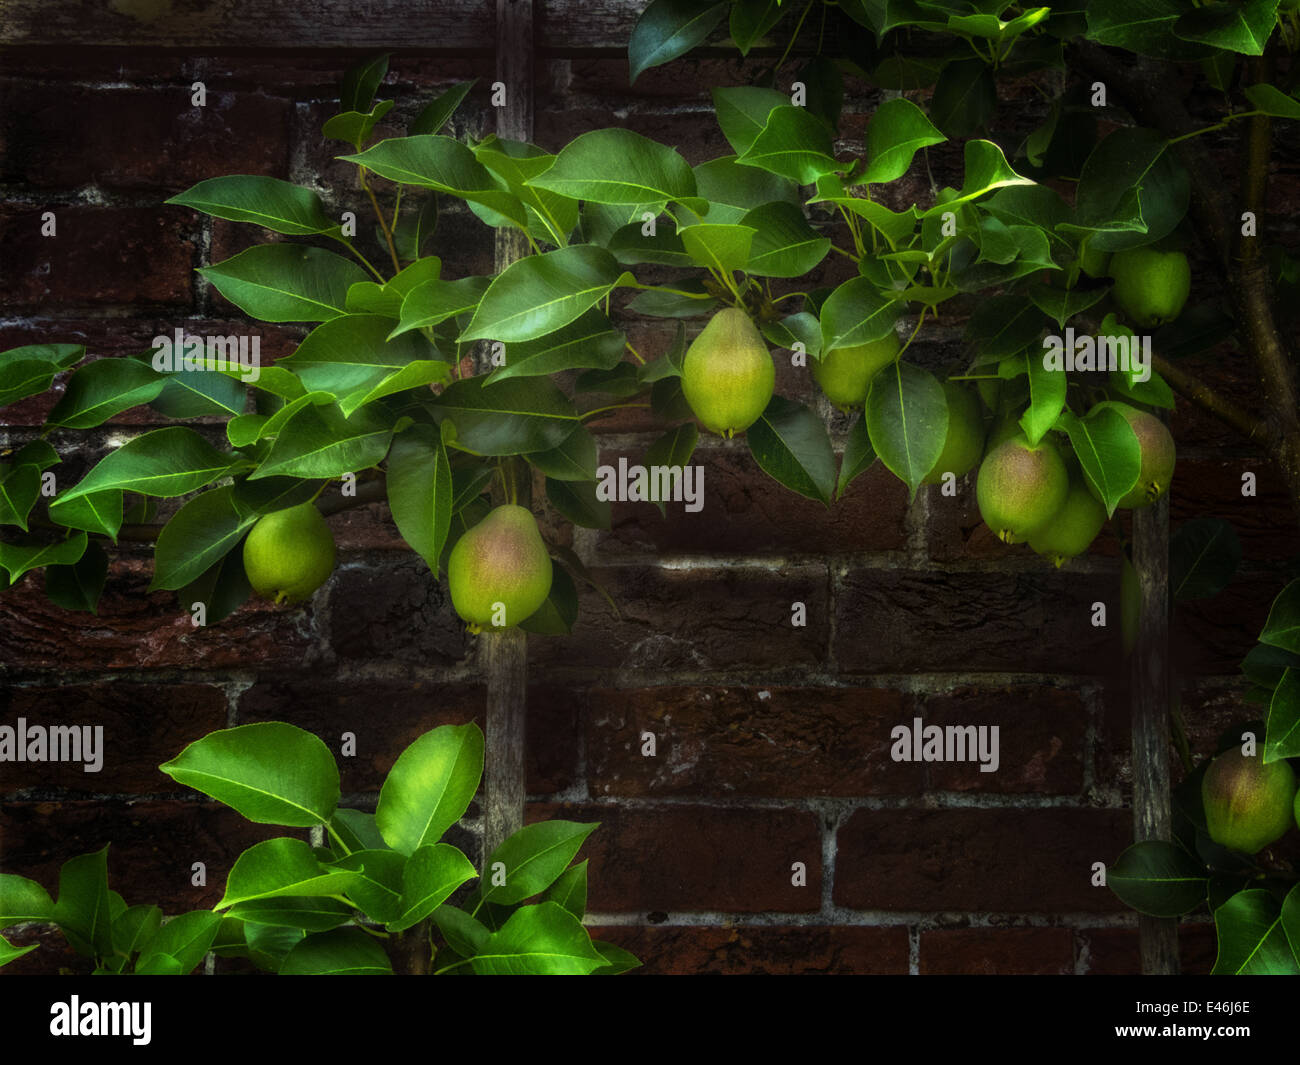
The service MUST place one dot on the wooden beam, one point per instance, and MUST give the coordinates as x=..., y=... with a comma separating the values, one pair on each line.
x=1152, y=815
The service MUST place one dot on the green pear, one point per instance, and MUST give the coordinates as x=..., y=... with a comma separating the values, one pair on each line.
x=289, y=553
x=1158, y=457
x=728, y=374
x=1020, y=488
x=1248, y=804
x=1151, y=286
x=964, y=442
x=1092, y=262
x=845, y=374
x=499, y=571
x=1072, y=528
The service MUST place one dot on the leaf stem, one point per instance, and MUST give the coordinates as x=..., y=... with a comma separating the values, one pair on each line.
x=383, y=222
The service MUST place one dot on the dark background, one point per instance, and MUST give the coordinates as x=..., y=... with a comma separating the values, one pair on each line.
x=773, y=740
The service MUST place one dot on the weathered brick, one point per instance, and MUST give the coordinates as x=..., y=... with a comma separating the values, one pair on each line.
x=745, y=512
x=1040, y=621
x=692, y=858
x=700, y=620
x=968, y=860
x=144, y=725
x=781, y=950
x=137, y=138
x=997, y=952
x=1042, y=736
x=1211, y=488
x=137, y=629
x=747, y=741
x=102, y=255
x=393, y=611
x=1116, y=951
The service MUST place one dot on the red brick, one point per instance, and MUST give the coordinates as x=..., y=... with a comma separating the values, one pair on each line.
x=1033, y=621
x=1211, y=488
x=138, y=138
x=697, y=620
x=997, y=952
x=144, y=725
x=1116, y=951
x=745, y=512
x=747, y=741
x=779, y=950
x=136, y=629
x=692, y=858
x=976, y=861
x=1042, y=735
x=102, y=255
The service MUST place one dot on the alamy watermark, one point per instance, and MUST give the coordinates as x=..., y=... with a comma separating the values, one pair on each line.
x=920, y=742
x=186, y=352
x=55, y=743
x=652, y=484
x=1128, y=354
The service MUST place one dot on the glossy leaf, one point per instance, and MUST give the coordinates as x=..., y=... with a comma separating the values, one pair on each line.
x=544, y=939
x=284, y=867
x=618, y=166
x=263, y=201
x=511, y=417
x=667, y=29
x=1107, y=449
x=286, y=282
x=793, y=144
x=790, y=445
x=430, y=786
x=1252, y=940
x=898, y=129
x=1282, y=629
x=533, y=858
x=430, y=876
x=907, y=419
x=341, y=952
x=1159, y=879
x=1203, y=557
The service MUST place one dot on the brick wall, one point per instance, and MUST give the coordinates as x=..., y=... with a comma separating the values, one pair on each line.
x=773, y=740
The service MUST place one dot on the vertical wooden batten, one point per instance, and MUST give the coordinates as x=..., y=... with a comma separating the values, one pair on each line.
x=505, y=652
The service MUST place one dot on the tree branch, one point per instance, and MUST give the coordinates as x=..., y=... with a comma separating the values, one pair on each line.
x=1191, y=387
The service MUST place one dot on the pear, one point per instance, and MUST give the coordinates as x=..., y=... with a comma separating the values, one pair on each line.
x=845, y=374
x=1151, y=286
x=1094, y=263
x=1158, y=457
x=289, y=553
x=964, y=443
x=1072, y=528
x=499, y=571
x=728, y=374
x=1020, y=488
x=1248, y=804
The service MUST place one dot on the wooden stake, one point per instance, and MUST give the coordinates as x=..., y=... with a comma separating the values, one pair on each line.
x=1152, y=815
x=505, y=652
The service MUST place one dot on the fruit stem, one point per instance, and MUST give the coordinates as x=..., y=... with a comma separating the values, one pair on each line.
x=634, y=352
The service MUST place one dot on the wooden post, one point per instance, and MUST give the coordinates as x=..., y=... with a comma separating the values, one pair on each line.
x=505, y=652
x=1152, y=815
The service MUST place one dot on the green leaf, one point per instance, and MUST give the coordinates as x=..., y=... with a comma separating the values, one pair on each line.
x=589, y=342
x=986, y=169
x=1062, y=304
x=574, y=459
x=617, y=166
x=441, y=163
x=377, y=889
x=341, y=952
x=668, y=29
x=36, y=453
x=1252, y=940
x=742, y=112
x=286, y=282
x=186, y=938
x=790, y=445
x=62, y=356
x=577, y=501
x=26, y=377
x=1159, y=879
x=784, y=244
x=23, y=900
x=18, y=559
x=352, y=353
x=1203, y=556
x=751, y=19
x=898, y=129
x=856, y=313
x=540, y=293
x=367, y=297
x=1272, y=101
x=98, y=512
x=321, y=443
x=1283, y=729
x=102, y=389
x=544, y=939
x=166, y=462
x=732, y=189
x=464, y=934
x=78, y=586
x=556, y=616
x=222, y=589
x=1243, y=28
x=430, y=786
x=511, y=417
x=84, y=908
x=722, y=248
x=965, y=98
x=907, y=419
x=437, y=113
x=306, y=913
x=894, y=227
x=357, y=829
x=135, y=930
x=1107, y=449
x=277, y=868
x=617, y=960
x=1142, y=26
x=19, y=490
x=436, y=301
x=262, y=201
x=1046, y=398
x=859, y=456
x=532, y=859
x=355, y=127
x=202, y=393
x=271, y=772
x=793, y=144
x=570, y=890
x=361, y=82
x=419, y=491
x=431, y=874
x=1282, y=629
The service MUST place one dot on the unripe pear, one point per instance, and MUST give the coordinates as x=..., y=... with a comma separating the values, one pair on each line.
x=1020, y=488
x=1151, y=286
x=1248, y=804
x=289, y=553
x=728, y=374
x=845, y=374
x=499, y=571
x=1158, y=457
x=964, y=442
x=1072, y=528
